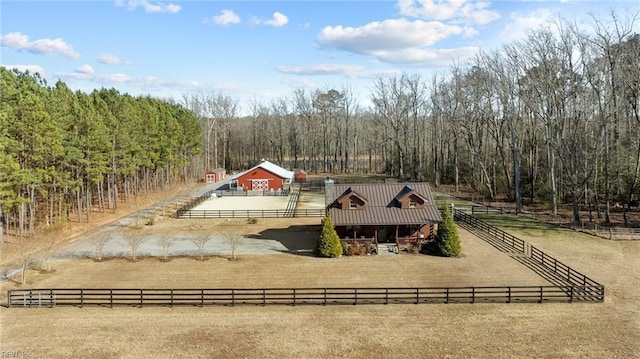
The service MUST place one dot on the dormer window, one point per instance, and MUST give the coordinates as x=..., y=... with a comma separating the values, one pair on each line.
x=412, y=203
x=353, y=203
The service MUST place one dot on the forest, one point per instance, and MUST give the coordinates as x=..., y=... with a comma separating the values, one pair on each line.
x=553, y=117
x=65, y=154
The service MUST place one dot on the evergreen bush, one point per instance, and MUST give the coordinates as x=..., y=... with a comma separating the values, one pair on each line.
x=447, y=242
x=328, y=243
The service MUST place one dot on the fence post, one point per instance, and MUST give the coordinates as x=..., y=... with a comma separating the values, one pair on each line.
x=509, y=295
x=81, y=297
x=110, y=298
x=571, y=294
x=447, y=298
x=294, y=297
x=202, y=297
x=417, y=296
x=171, y=298
x=264, y=297
x=324, y=302
x=386, y=296
x=141, y=298
x=355, y=296
x=541, y=294
x=233, y=298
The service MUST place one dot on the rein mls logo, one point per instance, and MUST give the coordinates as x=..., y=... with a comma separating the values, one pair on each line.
x=15, y=354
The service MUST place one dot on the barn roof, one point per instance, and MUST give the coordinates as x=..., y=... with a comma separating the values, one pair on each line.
x=381, y=208
x=268, y=166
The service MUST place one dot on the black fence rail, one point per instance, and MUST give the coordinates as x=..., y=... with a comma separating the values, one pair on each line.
x=266, y=213
x=30, y=298
x=540, y=262
x=612, y=232
x=222, y=193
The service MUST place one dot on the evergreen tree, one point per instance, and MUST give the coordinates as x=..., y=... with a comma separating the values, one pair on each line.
x=328, y=244
x=447, y=242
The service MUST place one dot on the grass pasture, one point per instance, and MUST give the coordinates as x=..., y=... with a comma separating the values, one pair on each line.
x=578, y=330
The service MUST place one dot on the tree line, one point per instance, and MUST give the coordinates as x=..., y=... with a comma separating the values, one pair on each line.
x=552, y=117
x=65, y=154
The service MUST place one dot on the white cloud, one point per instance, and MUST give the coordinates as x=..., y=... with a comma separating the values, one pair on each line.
x=521, y=24
x=321, y=69
x=19, y=41
x=144, y=83
x=278, y=20
x=300, y=83
x=477, y=12
x=393, y=34
x=148, y=6
x=427, y=57
x=226, y=17
x=85, y=69
x=110, y=59
x=24, y=68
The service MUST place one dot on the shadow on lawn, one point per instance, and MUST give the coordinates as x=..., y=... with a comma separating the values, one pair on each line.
x=299, y=240
x=520, y=224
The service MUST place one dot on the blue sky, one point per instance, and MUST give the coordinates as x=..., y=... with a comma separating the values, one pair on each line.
x=262, y=50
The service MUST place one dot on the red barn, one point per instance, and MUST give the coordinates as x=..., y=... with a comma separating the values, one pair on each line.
x=264, y=176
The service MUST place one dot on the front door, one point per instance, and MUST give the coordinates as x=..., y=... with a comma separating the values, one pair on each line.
x=382, y=234
x=261, y=184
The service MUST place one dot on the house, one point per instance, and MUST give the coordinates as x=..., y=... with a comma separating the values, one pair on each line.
x=264, y=176
x=398, y=213
x=215, y=176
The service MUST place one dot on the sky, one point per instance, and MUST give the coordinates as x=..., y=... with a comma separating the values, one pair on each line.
x=262, y=51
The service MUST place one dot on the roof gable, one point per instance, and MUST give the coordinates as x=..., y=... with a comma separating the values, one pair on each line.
x=268, y=166
x=408, y=192
x=348, y=193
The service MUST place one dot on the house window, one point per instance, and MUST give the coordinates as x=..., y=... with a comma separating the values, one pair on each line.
x=353, y=204
x=412, y=203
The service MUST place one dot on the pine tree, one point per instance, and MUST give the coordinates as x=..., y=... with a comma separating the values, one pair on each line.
x=328, y=244
x=447, y=242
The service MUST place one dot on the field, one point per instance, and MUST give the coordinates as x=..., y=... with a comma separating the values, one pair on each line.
x=578, y=330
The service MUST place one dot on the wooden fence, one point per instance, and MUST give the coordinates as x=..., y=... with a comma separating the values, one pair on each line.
x=29, y=298
x=508, y=243
x=609, y=232
x=252, y=213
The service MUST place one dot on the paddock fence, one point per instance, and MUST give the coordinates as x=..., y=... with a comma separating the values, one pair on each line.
x=253, y=213
x=589, y=227
x=187, y=211
x=33, y=298
x=540, y=262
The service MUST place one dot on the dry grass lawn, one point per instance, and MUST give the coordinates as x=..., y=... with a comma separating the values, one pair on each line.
x=605, y=330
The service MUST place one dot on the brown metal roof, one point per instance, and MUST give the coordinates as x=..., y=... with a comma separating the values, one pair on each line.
x=381, y=208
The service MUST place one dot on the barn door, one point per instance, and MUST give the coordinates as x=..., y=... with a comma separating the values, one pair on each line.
x=261, y=184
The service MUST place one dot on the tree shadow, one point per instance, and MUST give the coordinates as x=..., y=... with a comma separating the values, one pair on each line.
x=297, y=239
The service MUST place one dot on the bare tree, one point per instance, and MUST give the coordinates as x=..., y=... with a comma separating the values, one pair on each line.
x=48, y=251
x=24, y=261
x=99, y=241
x=134, y=240
x=200, y=241
x=166, y=241
x=233, y=240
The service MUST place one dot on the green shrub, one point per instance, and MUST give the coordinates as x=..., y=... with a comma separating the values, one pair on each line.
x=253, y=220
x=328, y=243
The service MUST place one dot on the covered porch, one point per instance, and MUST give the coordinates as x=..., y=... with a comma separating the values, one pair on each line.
x=400, y=234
